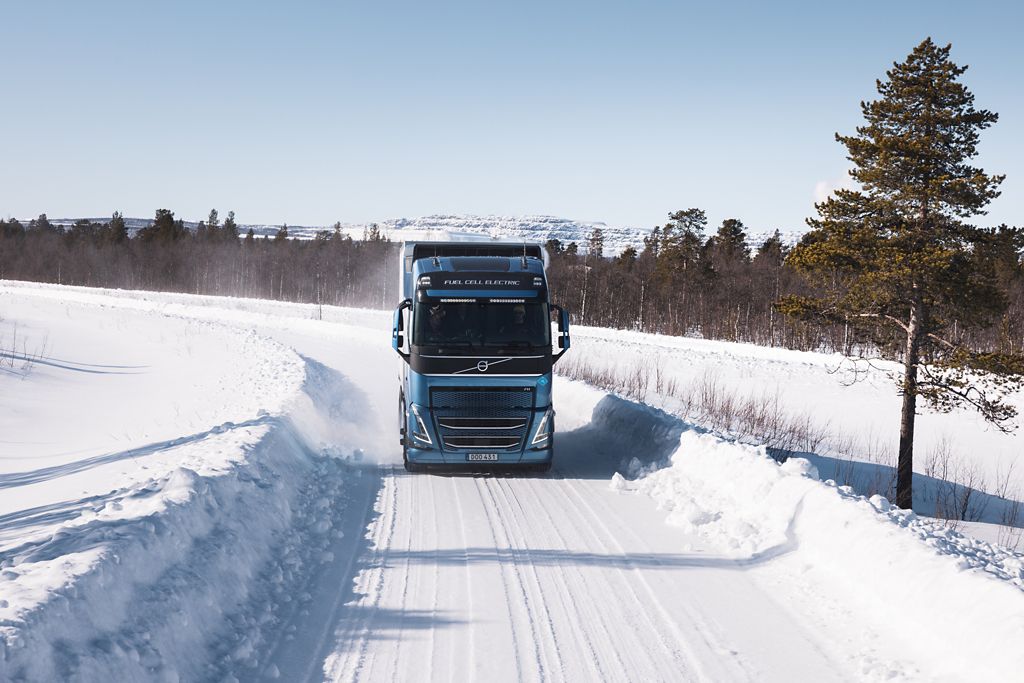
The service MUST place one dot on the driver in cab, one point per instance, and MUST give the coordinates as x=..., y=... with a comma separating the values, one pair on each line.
x=516, y=328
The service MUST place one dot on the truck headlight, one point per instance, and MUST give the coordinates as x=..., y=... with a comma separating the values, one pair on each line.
x=419, y=432
x=543, y=433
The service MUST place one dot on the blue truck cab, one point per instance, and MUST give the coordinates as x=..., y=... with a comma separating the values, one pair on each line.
x=474, y=331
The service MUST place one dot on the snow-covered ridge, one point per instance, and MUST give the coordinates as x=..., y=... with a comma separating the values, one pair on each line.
x=958, y=599
x=153, y=566
x=464, y=226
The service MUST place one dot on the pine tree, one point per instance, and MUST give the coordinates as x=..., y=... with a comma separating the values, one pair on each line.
x=896, y=258
x=164, y=228
x=595, y=243
x=772, y=248
x=212, y=226
x=652, y=243
x=680, y=243
x=627, y=258
x=230, y=229
x=12, y=229
x=730, y=242
x=118, y=229
x=43, y=225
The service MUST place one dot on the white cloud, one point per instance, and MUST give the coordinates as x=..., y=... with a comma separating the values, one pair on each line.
x=823, y=189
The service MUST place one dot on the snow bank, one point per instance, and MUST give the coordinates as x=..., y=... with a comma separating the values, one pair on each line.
x=957, y=601
x=140, y=584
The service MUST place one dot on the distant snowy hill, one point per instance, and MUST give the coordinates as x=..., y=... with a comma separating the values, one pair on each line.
x=469, y=227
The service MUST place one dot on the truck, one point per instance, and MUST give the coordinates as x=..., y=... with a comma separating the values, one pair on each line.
x=474, y=332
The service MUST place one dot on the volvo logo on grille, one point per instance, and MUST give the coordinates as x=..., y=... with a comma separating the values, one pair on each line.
x=482, y=365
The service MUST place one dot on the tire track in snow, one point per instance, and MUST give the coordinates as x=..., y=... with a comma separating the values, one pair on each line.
x=591, y=524
x=575, y=592
x=352, y=645
x=404, y=580
x=435, y=542
x=539, y=522
x=521, y=551
x=490, y=511
x=652, y=599
x=724, y=657
x=468, y=585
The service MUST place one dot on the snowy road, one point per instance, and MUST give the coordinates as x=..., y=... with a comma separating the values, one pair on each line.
x=525, y=578
x=319, y=558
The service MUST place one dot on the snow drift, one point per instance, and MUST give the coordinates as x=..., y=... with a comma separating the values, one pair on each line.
x=952, y=600
x=141, y=585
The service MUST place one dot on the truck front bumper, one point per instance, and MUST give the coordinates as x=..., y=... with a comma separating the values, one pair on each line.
x=420, y=456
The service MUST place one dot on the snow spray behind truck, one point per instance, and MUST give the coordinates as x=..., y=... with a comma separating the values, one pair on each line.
x=474, y=332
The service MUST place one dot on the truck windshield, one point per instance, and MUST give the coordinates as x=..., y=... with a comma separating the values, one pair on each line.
x=490, y=325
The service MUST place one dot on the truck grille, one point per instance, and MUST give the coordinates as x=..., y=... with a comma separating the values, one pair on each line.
x=484, y=417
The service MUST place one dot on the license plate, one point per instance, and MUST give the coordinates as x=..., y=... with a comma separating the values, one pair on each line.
x=477, y=457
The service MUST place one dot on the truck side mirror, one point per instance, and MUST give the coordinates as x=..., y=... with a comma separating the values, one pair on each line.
x=398, y=327
x=563, y=331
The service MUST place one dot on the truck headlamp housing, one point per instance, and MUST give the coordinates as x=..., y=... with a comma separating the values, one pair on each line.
x=419, y=432
x=543, y=433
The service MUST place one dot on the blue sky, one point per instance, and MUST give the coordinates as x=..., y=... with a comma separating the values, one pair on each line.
x=311, y=112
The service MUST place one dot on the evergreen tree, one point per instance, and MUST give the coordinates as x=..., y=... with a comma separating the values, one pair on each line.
x=282, y=233
x=595, y=243
x=163, y=229
x=118, y=231
x=730, y=242
x=230, y=229
x=772, y=248
x=680, y=243
x=213, y=225
x=627, y=258
x=43, y=225
x=12, y=229
x=896, y=258
x=652, y=243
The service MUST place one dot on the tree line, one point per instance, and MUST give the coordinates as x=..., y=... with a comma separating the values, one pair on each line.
x=682, y=280
x=214, y=258
x=685, y=281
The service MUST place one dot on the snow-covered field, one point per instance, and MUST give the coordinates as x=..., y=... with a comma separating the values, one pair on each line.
x=854, y=406
x=197, y=488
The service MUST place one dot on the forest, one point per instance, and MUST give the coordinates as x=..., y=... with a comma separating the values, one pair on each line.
x=684, y=279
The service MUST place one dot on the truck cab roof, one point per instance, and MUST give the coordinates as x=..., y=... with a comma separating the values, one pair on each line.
x=490, y=265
